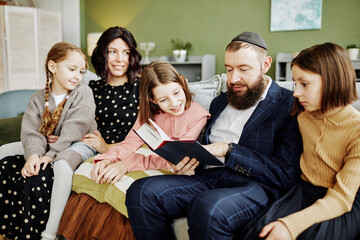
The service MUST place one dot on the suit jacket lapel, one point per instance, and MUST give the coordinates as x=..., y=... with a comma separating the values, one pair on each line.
x=262, y=111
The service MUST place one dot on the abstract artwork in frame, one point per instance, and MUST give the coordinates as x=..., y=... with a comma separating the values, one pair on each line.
x=288, y=15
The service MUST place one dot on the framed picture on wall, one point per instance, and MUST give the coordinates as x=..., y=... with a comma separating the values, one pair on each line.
x=289, y=15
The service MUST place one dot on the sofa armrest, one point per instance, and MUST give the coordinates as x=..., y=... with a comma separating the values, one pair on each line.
x=10, y=149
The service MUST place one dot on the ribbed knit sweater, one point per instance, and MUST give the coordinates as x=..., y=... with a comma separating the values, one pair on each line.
x=77, y=119
x=330, y=159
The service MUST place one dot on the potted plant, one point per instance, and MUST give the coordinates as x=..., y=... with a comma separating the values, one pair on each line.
x=180, y=49
x=353, y=51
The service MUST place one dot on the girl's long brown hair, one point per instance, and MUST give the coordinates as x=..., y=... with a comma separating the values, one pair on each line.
x=57, y=54
x=156, y=73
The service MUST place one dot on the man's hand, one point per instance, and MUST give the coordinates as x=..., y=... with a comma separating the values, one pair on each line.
x=185, y=167
x=217, y=149
x=275, y=230
x=95, y=141
x=31, y=167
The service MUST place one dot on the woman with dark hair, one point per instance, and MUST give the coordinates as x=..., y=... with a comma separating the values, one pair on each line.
x=100, y=55
x=117, y=61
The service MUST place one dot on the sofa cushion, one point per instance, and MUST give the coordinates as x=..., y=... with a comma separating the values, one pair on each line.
x=14, y=102
x=112, y=194
x=205, y=90
x=10, y=129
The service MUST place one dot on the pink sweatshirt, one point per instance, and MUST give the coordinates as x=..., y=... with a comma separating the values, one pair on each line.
x=185, y=127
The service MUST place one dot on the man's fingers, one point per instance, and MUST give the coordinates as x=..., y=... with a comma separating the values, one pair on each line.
x=181, y=164
x=189, y=165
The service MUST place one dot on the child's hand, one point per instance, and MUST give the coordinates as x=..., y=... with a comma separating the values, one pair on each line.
x=97, y=168
x=185, y=166
x=45, y=160
x=275, y=230
x=51, y=139
x=31, y=167
x=112, y=173
x=95, y=141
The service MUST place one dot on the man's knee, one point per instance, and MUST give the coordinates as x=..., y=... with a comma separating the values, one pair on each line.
x=209, y=208
x=226, y=210
x=141, y=189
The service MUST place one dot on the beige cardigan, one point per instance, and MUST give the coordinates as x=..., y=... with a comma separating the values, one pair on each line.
x=77, y=119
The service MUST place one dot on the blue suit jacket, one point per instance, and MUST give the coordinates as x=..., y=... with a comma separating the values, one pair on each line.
x=270, y=145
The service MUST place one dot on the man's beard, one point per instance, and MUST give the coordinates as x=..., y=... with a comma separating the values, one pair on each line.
x=242, y=101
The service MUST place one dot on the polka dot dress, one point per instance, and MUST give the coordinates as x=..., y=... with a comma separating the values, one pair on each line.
x=24, y=203
x=116, y=109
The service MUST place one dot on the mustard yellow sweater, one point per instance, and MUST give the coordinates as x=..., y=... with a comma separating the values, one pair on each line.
x=331, y=159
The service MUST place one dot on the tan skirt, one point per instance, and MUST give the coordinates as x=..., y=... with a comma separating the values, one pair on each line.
x=86, y=218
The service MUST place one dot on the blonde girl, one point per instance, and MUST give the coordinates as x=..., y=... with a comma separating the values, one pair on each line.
x=66, y=109
x=325, y=204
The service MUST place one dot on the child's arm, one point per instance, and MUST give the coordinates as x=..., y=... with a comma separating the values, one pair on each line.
x=122, y=150
x=136, y=161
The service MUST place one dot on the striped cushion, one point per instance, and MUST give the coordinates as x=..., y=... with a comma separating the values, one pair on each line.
x=111, y=194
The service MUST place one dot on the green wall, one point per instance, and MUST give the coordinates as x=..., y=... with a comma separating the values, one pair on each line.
x=210, y=24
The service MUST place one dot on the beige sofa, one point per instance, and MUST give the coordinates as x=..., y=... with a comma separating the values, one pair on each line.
x=204, y=91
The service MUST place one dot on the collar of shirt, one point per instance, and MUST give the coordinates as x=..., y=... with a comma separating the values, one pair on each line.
x=263, y=96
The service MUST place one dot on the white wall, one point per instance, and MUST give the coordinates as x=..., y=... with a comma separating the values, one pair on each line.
x=70, y=15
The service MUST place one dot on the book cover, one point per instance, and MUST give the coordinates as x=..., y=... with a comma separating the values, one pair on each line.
x=174, y=150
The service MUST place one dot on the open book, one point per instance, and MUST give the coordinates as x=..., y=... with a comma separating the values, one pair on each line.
x=174, y=150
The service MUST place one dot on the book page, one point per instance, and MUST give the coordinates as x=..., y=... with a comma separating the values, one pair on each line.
x=149, y=135
x=163, y=135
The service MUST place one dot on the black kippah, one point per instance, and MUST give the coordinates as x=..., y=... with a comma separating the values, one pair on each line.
x=251, y=37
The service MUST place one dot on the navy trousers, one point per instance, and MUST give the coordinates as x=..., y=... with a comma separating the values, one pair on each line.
x=217, y=203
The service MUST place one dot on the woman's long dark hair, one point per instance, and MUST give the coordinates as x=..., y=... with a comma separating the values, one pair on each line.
x=99, y=57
